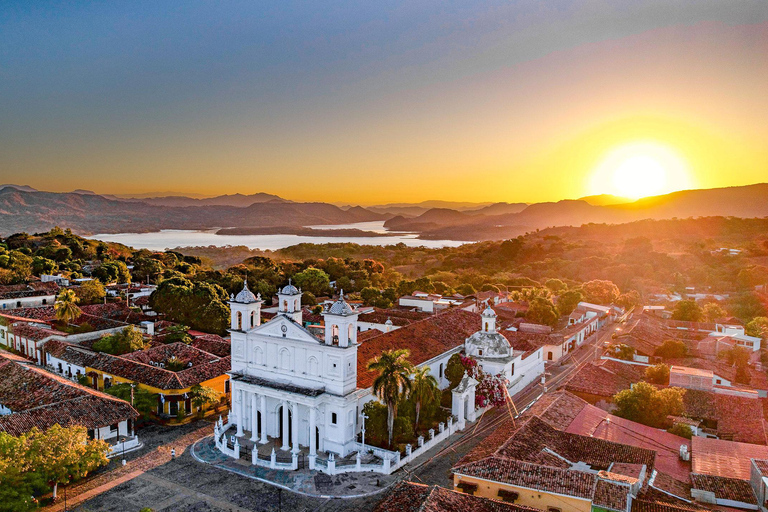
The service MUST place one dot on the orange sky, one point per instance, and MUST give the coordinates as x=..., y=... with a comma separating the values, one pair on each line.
x=526, y=112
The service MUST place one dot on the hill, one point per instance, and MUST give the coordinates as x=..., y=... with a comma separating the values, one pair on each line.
x=91, y=213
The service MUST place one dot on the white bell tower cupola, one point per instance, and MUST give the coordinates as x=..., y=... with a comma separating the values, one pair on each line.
x=245, y=309
x=489, y=319
x=289, y=302
x=340, y=323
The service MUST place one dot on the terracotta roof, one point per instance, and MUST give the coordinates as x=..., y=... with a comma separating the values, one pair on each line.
x=725, y=488
x=664, y=504
x=136, y=367
x=532, y=339
x=758, y=379
x=724, y=458
x=597, y=380
x=213, y=344
x=597, y=423
x=41, y=399
x=413, y=497
x=399, y=317
x=34, y=332
x=425, y=339
x=578, y=484
x=540, y=443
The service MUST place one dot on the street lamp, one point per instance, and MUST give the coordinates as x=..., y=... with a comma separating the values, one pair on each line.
x=364, y=417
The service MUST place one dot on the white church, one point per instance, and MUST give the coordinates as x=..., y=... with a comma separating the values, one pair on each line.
x=290, y=386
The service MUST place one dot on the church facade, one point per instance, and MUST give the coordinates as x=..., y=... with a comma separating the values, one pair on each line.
x=289, y=384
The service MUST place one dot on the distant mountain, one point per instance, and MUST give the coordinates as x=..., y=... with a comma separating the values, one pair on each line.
x=605, y=200
x=747, y=201
x=87, y=214
x=23, y=188
x=416, y=209
x=238, y=200
x=499, y=209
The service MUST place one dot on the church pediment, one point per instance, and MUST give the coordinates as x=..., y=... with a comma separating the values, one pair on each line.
x=283, y=327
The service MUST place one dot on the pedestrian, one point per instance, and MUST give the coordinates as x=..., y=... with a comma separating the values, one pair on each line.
x=173, y=453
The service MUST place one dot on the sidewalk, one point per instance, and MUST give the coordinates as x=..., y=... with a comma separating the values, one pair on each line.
x=304, y=481
x=81, y=491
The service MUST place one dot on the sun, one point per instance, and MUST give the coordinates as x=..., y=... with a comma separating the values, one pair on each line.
x=640, y=169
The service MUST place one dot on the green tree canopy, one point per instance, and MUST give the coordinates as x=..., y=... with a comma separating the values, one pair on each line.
x=671, y=349
x=66, y=306
x=201, y=305
x=141, y=399
x=646, y=404
x=313, y=280
x=687, y=310
x=658, y=374
x=393, y=381
x=600, y=291
x=126, y=341
x=567, y=301
x=91, y=292
x=542, y=311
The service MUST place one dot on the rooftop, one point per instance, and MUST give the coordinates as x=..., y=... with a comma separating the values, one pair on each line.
x=725, y=488
x=730, y=459
x=41, y=399
x=413, y=497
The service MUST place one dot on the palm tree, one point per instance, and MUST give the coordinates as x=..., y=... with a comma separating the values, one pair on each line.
x=393, y=382
x=424, y=390
x=66, y=306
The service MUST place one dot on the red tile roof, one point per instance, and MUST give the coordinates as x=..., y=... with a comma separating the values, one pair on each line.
x=424, y=339
x=724, y=458
x=578, y=484
x=413, y=497
x=725, y=488
x=41, y=399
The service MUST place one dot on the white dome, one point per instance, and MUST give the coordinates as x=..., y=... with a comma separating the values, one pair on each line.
x=246, y=296
x=340, y=307
x=488, y=311
x=289, y=290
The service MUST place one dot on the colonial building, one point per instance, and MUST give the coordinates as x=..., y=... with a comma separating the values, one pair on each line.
x=289, y=384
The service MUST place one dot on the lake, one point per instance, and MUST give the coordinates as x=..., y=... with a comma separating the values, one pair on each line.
x=171, y=238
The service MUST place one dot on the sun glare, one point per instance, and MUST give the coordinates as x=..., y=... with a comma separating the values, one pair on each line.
x=640, y=169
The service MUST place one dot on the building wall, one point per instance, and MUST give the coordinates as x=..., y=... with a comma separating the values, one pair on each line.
x=27, y=302
x=527, y=497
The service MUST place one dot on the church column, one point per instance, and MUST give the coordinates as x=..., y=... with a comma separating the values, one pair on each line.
x=240, y=406
x=254, y=419
x=295, y=427
x=285, y=426
x=312, y=430
x=263, y=420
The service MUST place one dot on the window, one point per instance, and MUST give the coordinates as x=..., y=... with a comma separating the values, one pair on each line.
x=107, y=383
x=549, y=356
x=226, y=386
x=334, y=418
x=467, y=487
x=113, y=428
x=45, y=301
x=553, y=509
x=508, y=496
x=440, y=371
x=480, y=352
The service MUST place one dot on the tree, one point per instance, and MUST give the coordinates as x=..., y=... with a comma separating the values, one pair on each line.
x=66, y=306
x=671, y=349
x=555, y=285
x=454, y=370
x=758, y=327
x=623, y=351
x=112, y=271
x=91, y=292
x=126, y=341
x=202, y=396
x=19, y=482
x=177, y=334
x=658, y=374
x=600, y=292
x=687, y=310
x=645, y=404
x=567, y=302
x=739, y=358
x=370, y=296
x=712, y=311
x=465, y=289
x=64, y=455
x=393, y=381
x=681, y=430
x=629, y=300
x=424, y=390
x=141, y=399
x=313, y=280
x=542, y=311
x=201, y=305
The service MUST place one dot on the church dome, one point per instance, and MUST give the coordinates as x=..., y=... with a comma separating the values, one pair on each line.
x=246, y=296
x=340, y=307
x=289, y=290
x=489, y=312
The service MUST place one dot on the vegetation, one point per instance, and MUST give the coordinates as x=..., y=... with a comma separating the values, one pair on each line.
x=202, y=396
x=646, y=404
x=201, y=305
x=66, y=307
x=681, y=429
x=393, y=382
x=658, y=374
x=91, y=292
x=126, y=341
x=32, y=463
x=141, y=399
x=688, y=310
x=622, y=351
x=424, y=391
x=671, y=349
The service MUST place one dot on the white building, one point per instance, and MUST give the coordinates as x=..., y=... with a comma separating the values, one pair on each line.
x=289, y=384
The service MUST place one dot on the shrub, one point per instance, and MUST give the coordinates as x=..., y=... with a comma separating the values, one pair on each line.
x=681, y=430
x=658, y=374
x=671, y=349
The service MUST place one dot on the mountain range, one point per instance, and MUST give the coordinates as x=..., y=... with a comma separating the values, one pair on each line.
x=22, y=208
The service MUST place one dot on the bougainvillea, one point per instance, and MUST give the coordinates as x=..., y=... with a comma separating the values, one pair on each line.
x=491, y=389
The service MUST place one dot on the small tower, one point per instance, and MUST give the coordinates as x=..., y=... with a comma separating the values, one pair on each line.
x=388, y=325
x=246, y=309
x=489, y=319
x=340, y=323
x=289, y=302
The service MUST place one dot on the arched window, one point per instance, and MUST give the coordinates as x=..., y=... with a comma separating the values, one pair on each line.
x=335, y=334
x=313, y=366
x=258, y=356
x=549, y=356
x=285, y=359
x=253, y=319
x=440, y=371
x=239, y=321
x=285, y=305
x=351, y=333
x=296, y=305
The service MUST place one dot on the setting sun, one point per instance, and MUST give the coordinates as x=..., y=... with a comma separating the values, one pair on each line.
x=639, y=170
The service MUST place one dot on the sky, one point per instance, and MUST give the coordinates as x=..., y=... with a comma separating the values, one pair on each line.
x=387, y=101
